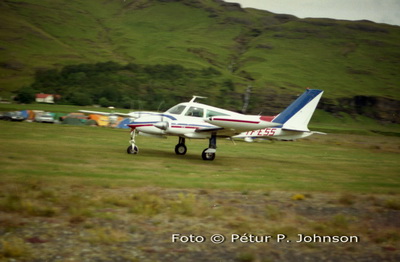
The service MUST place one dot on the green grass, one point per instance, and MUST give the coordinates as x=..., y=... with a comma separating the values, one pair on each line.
x=304, y=55
x=346, y=124
x=78, y=185
x=97, y=155
x=340, y=58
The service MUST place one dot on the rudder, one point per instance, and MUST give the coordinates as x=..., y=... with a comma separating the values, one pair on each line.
x=298, y=114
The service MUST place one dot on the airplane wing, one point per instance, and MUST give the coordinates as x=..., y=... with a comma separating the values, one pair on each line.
x=209, y=129
x=135, y=115
x=104, y=113
x=219, y=131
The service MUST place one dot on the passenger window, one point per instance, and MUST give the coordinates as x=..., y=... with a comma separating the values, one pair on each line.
x=195, y=111
x=211, y=113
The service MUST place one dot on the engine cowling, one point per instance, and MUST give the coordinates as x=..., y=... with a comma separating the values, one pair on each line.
x=163, y=125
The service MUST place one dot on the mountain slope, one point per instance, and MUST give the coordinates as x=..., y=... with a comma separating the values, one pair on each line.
x=276, y=54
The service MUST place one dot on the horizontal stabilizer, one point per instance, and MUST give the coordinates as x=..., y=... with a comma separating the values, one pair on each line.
x=318, y=133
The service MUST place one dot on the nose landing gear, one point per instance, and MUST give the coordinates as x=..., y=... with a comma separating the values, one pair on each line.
x=132, y=149
x=180, y=148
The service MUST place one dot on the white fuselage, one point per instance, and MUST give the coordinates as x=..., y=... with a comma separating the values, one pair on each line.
x=196, y=120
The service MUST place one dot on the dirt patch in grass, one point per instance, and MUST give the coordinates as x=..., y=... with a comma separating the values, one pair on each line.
x=67, y=221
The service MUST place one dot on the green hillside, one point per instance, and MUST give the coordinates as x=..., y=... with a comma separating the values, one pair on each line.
x=276, y=54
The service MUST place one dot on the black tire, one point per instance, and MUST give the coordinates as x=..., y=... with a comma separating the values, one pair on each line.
x=132, y=150
x=207, y=156
x=180, y=149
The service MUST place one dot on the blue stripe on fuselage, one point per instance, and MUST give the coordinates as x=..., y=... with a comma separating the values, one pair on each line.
x=167, y=116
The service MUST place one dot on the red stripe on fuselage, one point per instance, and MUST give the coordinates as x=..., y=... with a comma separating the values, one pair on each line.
x=190, y=127
x=236, y=120
x=267, y=118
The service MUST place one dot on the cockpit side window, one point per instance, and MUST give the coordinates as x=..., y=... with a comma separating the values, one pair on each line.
x=195, y=111
x=177, y=110
x=211, y=113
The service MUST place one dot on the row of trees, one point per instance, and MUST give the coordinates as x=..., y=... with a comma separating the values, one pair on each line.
x=130, y=86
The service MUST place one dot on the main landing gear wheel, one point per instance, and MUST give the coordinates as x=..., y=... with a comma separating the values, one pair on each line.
x=207, y=155
x=132, y=149
x=180, y=149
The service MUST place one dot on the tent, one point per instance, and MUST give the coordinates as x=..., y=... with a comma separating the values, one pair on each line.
x=73, y=121
x=99, y=119
x=25, y=114
x=124, y=123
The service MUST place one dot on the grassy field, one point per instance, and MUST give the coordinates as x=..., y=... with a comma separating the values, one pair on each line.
x=72, y=193
x=348, y=163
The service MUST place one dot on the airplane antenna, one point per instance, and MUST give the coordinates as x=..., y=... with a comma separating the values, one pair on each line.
x=194, y=98
x=139, y=108
x=159, y=106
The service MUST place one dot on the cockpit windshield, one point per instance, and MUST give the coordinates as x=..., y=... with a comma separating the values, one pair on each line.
x=176, y=110
x=195, y=110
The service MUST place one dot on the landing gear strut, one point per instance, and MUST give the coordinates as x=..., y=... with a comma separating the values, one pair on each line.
x=132, y=149
x=180, y=148
x=209, y=153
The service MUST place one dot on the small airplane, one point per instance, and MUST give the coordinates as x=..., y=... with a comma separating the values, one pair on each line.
x=200, y=121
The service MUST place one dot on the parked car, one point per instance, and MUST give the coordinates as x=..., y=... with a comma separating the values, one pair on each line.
x=44, y=118
x=13, y=116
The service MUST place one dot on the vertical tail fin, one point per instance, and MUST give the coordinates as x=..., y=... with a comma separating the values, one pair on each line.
x=298, y=114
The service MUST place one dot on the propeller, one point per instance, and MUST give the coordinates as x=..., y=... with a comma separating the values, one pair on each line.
x=163, y=125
